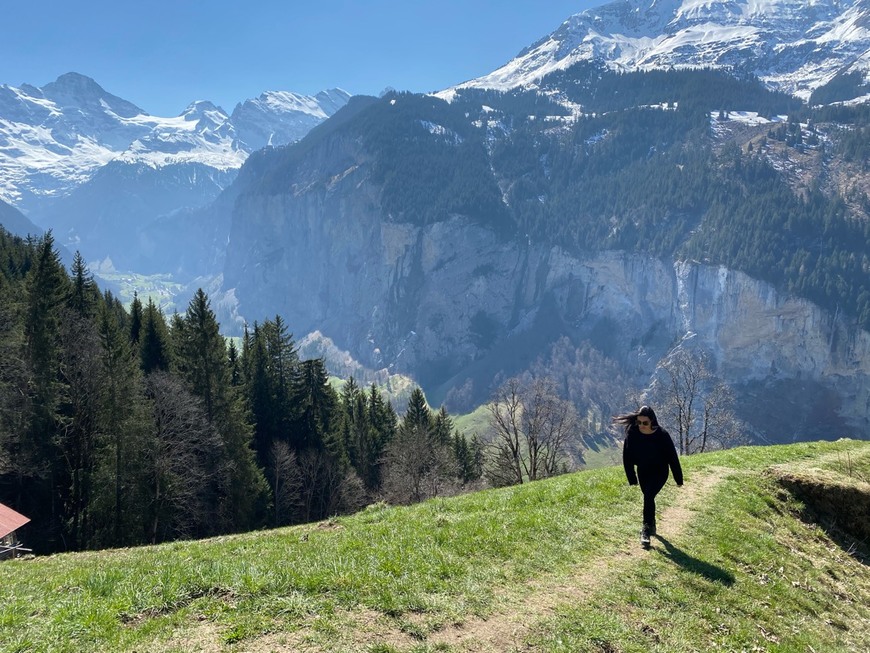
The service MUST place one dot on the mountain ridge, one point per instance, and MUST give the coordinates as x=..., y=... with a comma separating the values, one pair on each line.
x=83, y=127
x=789, y=45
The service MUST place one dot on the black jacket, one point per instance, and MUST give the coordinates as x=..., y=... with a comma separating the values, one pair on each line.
x=655, y=450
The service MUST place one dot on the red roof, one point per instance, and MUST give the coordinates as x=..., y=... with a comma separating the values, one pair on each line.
x=10, y=520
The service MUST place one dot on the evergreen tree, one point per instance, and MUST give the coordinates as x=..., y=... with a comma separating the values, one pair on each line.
x=418, y=413
x=47, y=292
x=235, y=364
x=84, y=295
x=136, y=318
x=316, y=404
x=124, y=427
x=384, y=424
x=354, y=427
x=241, y=494
x=270, y=363
x=154, y=343
x=442, y=427
x=16, y=473
x=316, y=438
x=261, y=395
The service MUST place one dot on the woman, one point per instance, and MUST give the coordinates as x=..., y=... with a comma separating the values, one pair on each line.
x=650, y=448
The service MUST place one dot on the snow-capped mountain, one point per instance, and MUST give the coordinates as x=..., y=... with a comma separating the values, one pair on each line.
x=794, y=46
x=54, y=138
x=279, y=117
x=99, y=170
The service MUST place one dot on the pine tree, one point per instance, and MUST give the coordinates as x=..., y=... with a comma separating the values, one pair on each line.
x=235, y=364
x=442, y=427
x=349, y=395
x=85, y=295
x=154, y=343
x=47, y=292
x=316, y=404
x=418, y=413
x=261, y=396
x=384, y=424
x=136, y=319
x=316, y=438
x=241, y=494
x=124, y=428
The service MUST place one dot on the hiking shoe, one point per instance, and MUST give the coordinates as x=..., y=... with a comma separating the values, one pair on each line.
x=644, y=536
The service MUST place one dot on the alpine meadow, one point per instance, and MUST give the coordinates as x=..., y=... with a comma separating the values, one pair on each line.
x=347, y=373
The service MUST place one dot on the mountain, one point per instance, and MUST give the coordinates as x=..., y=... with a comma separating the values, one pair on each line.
x=16, y=222
x=280, y=117
x=97, y=168
x=791, y=45
x=589, y=227
x=652, y=178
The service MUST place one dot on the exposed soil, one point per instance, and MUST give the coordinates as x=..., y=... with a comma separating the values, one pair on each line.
x=507, y=630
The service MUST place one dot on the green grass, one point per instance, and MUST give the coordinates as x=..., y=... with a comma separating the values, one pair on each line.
x=158, y=287
x=476, y=422
x=746, y=574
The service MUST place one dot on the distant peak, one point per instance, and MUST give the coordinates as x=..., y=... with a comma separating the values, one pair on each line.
x=323, y=105
x=75, y=83
x=199, y=107
x=206, y=114
x=79, y=90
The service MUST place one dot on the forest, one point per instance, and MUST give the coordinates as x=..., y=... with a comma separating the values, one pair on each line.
x=121, y=426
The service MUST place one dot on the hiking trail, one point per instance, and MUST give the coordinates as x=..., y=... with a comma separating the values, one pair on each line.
x=505, y=630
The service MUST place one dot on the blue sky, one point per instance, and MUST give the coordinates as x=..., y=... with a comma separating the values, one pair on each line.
x=162, y=55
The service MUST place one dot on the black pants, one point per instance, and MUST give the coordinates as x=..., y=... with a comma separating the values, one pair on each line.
x=652, y=479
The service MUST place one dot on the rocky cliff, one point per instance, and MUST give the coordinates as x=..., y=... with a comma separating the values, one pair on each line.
x=459, y=307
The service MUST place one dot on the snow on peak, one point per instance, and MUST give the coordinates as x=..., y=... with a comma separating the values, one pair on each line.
x=792, y=45
x=78, y=91
x=279, y=117
x=56, y=137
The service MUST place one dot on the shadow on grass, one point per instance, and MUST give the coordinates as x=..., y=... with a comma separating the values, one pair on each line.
x=695, y=565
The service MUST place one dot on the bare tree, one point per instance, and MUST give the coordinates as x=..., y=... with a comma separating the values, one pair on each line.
x=697, y=405
x=328, y=487
x=532, y=427
x=83, y=378
x=417, y=466
x=179, y=470
x=585, y=376
x=285, y=477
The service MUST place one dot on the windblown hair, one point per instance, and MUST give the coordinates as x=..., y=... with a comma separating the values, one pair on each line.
x=629, y=420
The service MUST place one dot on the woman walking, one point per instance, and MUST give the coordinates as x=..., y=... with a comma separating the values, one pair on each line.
x=650, y=448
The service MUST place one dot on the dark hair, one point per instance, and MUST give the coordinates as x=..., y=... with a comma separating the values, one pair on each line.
x=630, y=419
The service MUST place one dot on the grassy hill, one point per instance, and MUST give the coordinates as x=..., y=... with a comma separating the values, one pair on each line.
x=763, y=549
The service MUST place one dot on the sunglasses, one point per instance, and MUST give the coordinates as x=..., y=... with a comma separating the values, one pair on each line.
x=644, y=422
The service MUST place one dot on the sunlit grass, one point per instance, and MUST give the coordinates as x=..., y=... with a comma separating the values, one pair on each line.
x=746, y=572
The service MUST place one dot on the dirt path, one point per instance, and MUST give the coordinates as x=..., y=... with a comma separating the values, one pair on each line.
x=506, y=631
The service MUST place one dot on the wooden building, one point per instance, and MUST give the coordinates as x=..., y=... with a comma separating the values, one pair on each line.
x=10, y=521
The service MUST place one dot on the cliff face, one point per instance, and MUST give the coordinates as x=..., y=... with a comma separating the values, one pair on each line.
x=457, y=306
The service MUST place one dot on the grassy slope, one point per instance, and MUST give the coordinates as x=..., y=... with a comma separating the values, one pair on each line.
x=550, y=566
